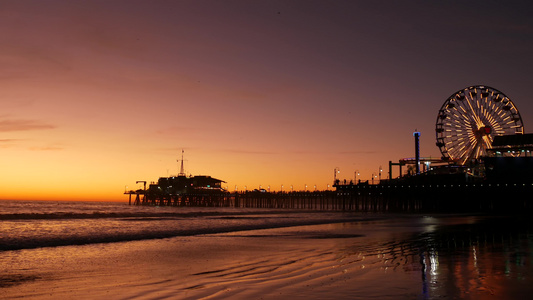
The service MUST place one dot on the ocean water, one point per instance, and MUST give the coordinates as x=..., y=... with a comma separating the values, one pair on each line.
x=36, y=224
x=93, y=250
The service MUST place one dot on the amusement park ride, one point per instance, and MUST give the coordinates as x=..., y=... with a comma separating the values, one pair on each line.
x=469, y=121
x=478, y=128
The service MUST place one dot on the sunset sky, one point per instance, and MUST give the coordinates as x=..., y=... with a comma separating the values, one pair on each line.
x=99, y=94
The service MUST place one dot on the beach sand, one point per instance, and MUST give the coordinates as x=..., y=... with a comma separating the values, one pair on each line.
x=357, y=260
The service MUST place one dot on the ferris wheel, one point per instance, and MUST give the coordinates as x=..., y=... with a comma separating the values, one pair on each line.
x=470, y=118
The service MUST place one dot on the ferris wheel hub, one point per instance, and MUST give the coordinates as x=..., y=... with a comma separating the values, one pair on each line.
x=485, y=130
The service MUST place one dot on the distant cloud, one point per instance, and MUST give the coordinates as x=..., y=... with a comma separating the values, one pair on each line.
x=176, y=130
x=49, y=148
x=9, y=143
x=302, y=152
x=6, y=143
x=359, y=152
x=248, y=152
x=23, y=125
x=175, y=149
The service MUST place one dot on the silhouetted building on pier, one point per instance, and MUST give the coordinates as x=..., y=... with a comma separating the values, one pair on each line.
x=181, y=190
x=177, y=185
x=510, y=159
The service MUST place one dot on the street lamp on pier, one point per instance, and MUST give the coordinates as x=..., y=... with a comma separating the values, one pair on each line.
x=355, y=174
x=335, y=172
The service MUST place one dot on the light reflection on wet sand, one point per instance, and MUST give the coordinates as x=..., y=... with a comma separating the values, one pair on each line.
x=404, y=257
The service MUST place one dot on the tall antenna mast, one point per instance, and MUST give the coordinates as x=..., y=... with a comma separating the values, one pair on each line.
x=182, y=172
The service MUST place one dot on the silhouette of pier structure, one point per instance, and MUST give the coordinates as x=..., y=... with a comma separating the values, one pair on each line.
x=387, y=197
x=486, y=166
x=503, y=182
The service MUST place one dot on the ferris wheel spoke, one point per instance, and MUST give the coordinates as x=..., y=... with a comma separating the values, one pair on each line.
x=487, y=142
x=475, y=116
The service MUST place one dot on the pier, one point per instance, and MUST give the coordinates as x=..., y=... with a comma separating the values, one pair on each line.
x=447, y=197
x=496, y=178
x=387, y=197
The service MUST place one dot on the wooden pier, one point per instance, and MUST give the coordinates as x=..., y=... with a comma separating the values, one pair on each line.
x=217, y=199
x=447, y=197
x=473, y=197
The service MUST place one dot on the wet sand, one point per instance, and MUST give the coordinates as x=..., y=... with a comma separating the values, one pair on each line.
x=381, y=259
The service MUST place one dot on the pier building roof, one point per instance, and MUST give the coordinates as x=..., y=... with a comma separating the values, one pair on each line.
x=512, y=142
